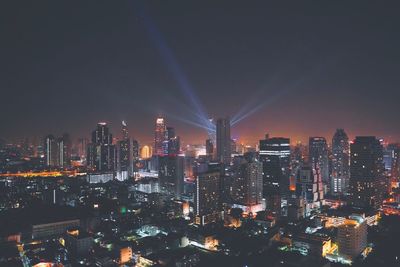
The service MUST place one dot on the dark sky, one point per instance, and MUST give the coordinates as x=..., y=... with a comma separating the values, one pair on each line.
x=309, y=67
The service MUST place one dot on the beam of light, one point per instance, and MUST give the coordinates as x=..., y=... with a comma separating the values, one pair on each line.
x=172, y=64
x=274, y=98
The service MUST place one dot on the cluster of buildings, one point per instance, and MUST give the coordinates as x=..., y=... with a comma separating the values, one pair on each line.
x=163, y=203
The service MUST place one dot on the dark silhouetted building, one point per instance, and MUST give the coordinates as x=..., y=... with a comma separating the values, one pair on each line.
x=367, y=181
x=224, y=140
x=171, y=174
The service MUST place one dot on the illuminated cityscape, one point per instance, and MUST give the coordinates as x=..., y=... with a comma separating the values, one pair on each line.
x=188, y=133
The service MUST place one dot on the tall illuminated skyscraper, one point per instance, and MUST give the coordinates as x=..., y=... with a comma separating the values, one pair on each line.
x=64, y=151
x=159, y=137
x=340, y=162
x=367, y=181
x=318, y=154
x=207, y=197
x=101, y=151
x=224, y=140
x=50, y=151
x=248, y=183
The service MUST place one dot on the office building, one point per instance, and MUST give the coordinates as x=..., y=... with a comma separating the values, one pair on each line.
x=352, y=237
x=340, y=163
x=224, y=140
x=309, y=187
x=50, y=151
x=171, y=175
x=207, y=197
x=367, y=181
x=318, y=156
x=247, y=187
x=101, y=151
x=160, y=135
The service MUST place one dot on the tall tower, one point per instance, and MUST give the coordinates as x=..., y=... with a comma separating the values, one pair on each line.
x=340, y=162
x=50, y=151
x=224, y=140
x=159, y=136
x=101, y=152
x=318, y=153
x=207, y=197
x=367, y=183
x=247, y=185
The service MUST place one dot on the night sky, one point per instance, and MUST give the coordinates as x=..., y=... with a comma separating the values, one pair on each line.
x=308, y=67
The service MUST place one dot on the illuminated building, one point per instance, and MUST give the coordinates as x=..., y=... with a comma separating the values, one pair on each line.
x=318, y=157
x=127, y=152
x=50, y=151
x=367, y=183
x=247, y=184
x=172, y=142
x=53, y=228
x=207, y=197
x=101, y=151
x=171, y=175
x=352, y=237
x=340, y=162
x=64, y=151
x=224, y=140
x=159, y=137
x=78, y=242
x=315, y=245
x=125, y=255
x=309, y=186
x=274, y=153
x=145, y=152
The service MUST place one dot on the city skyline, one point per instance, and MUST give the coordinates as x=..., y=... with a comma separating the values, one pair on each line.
x=294, y=78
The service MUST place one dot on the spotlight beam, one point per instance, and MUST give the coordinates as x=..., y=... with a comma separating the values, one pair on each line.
x=174, y=67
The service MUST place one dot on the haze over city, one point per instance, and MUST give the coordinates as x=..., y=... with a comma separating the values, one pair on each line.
x=318, y=67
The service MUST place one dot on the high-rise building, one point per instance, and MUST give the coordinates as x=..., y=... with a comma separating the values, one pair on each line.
x=247, y=188
x=173, y=145
x=224, y=140
x=274, y=154
x=367, y=181
x=160, y=135
x=101, y=151
x=50, y=151
x=207, y=197
x=318, y=155
x=352, y=237
x=171, y=174
x=309, y=187
x=340, y=162
x=64, y=147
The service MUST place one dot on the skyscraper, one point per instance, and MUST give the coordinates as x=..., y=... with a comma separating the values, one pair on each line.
x=159, y=137
x=224, y=140
x=318, y=154
x=275, y=157
x=101, y=151
x=367, y=183
x=171, y=174
x=207, y=197
x=50, y=151
x=309, y=187
x=247, y=188
x=340, y=162
x=173, y=145
x=64, y=151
